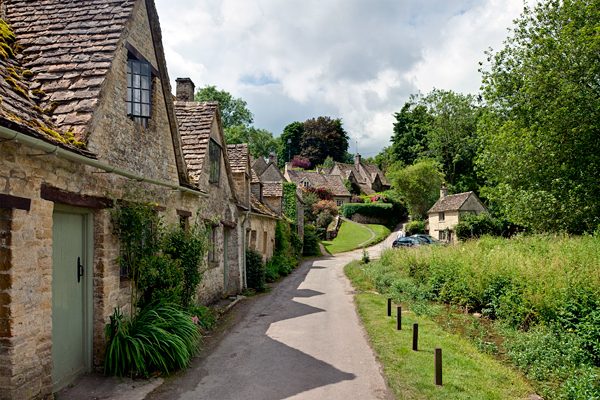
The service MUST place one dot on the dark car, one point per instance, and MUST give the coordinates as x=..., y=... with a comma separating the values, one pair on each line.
x=425, y=239
x=406, y=242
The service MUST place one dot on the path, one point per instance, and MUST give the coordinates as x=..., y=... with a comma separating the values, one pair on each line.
x=301, y=341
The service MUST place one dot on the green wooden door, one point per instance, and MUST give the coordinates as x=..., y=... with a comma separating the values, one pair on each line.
x=69, y=298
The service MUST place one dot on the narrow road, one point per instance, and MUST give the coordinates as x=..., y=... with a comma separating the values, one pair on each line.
x=303, y=340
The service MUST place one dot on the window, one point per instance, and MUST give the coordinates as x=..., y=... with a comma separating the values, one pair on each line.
x=212, y=250
x=265, y=242
x=441, y=216
x=139, y=88
x=214, y=154
x=339, y=202
x=253, y=240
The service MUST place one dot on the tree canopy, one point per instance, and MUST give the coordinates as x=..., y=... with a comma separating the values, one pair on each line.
x=293, y=133
x=541, y=153
x=234, y=111
x=322, y=137
x=418, y=184
x=260, y=141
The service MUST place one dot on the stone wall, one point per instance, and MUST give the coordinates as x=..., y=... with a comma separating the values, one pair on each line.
x=263, y=228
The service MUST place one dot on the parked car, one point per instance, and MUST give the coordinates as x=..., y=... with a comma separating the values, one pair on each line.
x=425, y=239
x=406, y=242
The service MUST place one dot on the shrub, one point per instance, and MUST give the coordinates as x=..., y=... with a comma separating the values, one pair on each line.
x=311, y=241
x=300, y=162
x=324, y=219
x=414, y=227
x=255, y=270
x=325, y=205
x=474, y=226
x=321, y=192
x=160, y=279
x=205, y=317
x=289, y=200
x=378, y=210
x=160, y=338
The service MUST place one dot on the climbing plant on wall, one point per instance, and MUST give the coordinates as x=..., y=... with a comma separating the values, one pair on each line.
x=289, y=200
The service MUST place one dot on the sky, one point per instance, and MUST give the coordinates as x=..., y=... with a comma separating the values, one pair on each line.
x=358, y=60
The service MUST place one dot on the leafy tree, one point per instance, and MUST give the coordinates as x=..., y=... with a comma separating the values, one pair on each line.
x=292, y=132
x=384, y=159
x=419, y=184
x=323, y=137
x=234, y=111
x=260, y=141
x=542, y=122
x=409, y=141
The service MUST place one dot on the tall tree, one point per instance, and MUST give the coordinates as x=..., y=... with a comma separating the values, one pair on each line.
x=234, y=111
x=542, y=122
x=323, y=136
x=409, y=141
x=290, y=141
x=418, y=184
x=260, y=141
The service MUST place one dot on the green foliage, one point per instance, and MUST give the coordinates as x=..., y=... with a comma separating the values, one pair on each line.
x=289, y=201
x=365, y=257
x=375, y=210
x=204, y=316
x=409, y=141
x=234, y=111
x=541, y=152
x=472, y=226
x=255, y=271
x=260, y=141
x=544, y=289
x=188, y=247
x=292, y=132
x=309, y=199
x=160, y=278
x=160, y=338
x=414, y=227
x=419, y=186
x=311, y=241
x=323, y=137
x=328, y=163
x=286, y=254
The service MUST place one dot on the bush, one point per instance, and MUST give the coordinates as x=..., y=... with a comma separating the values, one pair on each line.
x=414, y=227
x=160, y=279
x=300, y=162
x=474, y=226
x=160, y=338
x=255, y=271
x=204, y=316
x=321, y=192
x=311, y=241
x=377, y=210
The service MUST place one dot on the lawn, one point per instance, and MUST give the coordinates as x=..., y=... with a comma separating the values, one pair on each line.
x=353, y=235
x=467, y=373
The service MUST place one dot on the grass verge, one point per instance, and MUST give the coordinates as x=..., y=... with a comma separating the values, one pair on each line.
x=468, y=374
x=353, y=235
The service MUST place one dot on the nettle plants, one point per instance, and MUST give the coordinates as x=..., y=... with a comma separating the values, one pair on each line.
x=163, y=268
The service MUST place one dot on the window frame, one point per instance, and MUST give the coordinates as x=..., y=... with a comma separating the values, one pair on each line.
x=136, y=64
x=441, y=216
x=214, y=161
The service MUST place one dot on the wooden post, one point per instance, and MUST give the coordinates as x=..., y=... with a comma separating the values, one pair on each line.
x=416, y=337
x=399, y=318
x=389, y=308
x=438, y=366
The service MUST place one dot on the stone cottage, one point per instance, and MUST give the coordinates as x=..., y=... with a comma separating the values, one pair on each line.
x=312, y=179
x=86, y=117
x=448, y=210
x=260, y=219
x=364, y=178
x=205, y=153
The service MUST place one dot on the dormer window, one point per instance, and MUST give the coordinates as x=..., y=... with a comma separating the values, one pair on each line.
x=139, y=89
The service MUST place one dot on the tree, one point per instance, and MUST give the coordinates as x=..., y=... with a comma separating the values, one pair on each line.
x=293, y=133
x=323, y=137
x=260, y=141
x=234, y=111
x=409, y=141
x=542, y=122
x=419, y=184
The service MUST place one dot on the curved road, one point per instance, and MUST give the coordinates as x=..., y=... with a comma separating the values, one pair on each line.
x=303, y=340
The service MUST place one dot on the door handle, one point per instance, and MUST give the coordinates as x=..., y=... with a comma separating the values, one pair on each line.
x=79, y=269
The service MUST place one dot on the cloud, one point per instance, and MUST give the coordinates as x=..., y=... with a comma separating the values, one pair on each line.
x=352, y=59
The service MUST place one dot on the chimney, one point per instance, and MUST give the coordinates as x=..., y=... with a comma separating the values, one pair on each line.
x=443, y=191
x=356, y=159
x=185, y=89
x=273, y=158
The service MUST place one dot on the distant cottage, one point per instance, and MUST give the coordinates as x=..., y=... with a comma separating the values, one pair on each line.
x=446, y=213
x=364, y=178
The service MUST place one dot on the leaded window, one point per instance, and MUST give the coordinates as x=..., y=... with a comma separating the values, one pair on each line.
x=214, y=154
x=139, y=89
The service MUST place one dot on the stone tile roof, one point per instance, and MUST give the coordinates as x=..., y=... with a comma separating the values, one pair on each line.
x=68, y=46
x=238, y=157
x=273, y=189
x=195, y=121
x=316, y=180
x=260, y=208
x=374, y=171
x=255, y=178
x=259, y=165
x=451, y=202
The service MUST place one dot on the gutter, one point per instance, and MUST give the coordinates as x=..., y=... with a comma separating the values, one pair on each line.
x=48, y=148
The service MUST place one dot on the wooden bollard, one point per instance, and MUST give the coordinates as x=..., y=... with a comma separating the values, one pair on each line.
x=399, y=318
x=415, y=337
x=389, y=307
x=438, y=366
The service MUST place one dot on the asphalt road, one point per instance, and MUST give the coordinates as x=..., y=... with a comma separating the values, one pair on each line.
x=302, y=340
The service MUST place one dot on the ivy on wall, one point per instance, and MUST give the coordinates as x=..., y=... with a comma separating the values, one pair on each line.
x=289, y=200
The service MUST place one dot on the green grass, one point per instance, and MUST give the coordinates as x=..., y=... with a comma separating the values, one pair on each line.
x=353, y=235
x=467, y=373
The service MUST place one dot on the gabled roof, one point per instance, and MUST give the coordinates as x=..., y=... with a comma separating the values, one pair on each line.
x=374, y=171
x=195, y=122
x=259, y=165
x=452, y=202
x=316, y=180
x=260, y=208
x=68, y=46
x=272, y=189
x=238, y=157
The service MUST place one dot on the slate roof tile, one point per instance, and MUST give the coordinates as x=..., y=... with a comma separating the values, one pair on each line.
x=260, y=208
x=272, y=189
x=452, y=202
x=238, y=157
x=316, y=180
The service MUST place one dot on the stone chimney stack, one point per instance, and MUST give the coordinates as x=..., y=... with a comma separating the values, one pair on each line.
x=273, y=158
x=356, y=159
x=185, y=89
x=443, y=191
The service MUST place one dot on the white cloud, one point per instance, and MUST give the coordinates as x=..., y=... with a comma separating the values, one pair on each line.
x=357, y=60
